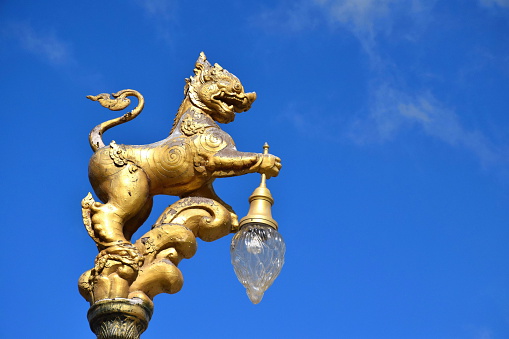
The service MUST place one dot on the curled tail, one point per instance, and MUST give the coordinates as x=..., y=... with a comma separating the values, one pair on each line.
x=119, y=102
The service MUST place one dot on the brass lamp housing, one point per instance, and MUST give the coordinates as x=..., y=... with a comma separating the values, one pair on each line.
x=261, y=201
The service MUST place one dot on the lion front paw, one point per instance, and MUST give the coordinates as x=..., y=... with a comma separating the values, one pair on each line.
x=270, y=165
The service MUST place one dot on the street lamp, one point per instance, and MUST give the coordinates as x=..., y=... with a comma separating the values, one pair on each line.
x=128, y=274
x=258, y=250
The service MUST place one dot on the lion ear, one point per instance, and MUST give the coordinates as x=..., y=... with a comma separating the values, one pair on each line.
x=202, y=57
x=186, y=87
x=201, y=63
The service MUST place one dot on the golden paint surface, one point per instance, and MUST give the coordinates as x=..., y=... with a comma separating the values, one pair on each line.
x=125, y=178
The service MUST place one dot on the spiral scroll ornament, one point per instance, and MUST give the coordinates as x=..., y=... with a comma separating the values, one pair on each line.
x=171, y=160
x=211, y=142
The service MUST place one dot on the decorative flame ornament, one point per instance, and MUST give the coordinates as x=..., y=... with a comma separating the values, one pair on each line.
x=258, y=250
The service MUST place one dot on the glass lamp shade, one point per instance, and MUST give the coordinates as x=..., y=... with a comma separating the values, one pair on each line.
x=258, y=254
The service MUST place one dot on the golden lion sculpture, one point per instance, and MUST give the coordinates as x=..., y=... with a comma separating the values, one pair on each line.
x=185, y=164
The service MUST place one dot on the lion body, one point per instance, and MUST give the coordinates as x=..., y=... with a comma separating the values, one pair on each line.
x=185, y=164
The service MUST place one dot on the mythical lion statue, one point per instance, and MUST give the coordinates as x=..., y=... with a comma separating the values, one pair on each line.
x=185, y=164
x=127, y=275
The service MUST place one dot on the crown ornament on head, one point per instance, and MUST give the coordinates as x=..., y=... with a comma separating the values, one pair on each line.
x=204, y=71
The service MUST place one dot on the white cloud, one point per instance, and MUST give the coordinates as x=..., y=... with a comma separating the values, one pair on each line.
x=42, y=43
x=392, y=107
x=392, y=111
x=294, y=16
x=365, y=19
x=163, y=15
x=493, y=3
x=370, y=20
x=160, y=9
x=297, y=114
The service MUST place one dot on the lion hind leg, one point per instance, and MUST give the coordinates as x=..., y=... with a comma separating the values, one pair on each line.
x=127, y=197
x=133, y=224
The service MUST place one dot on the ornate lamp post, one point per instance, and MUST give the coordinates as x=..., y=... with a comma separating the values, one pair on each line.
x=258, y=250
x=128, y=274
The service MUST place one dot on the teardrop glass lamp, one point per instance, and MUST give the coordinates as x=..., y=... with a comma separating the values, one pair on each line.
x=258, y=250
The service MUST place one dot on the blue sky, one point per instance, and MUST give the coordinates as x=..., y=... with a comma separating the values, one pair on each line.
x=390, y=116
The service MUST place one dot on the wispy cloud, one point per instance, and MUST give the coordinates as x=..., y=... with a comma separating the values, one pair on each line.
x=495, y=3
x=45, y=44
x=368, y=19
x=365, y=19
x=289, y=17
x=163, y=15
x=392, y=111
x=161, y=9
x=296, y=114
x=393, y=107
x=485, y=334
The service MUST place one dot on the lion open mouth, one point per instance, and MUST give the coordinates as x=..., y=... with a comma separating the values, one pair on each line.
x=234, y=102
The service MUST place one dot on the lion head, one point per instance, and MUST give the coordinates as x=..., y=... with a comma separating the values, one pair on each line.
x=217, y=92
